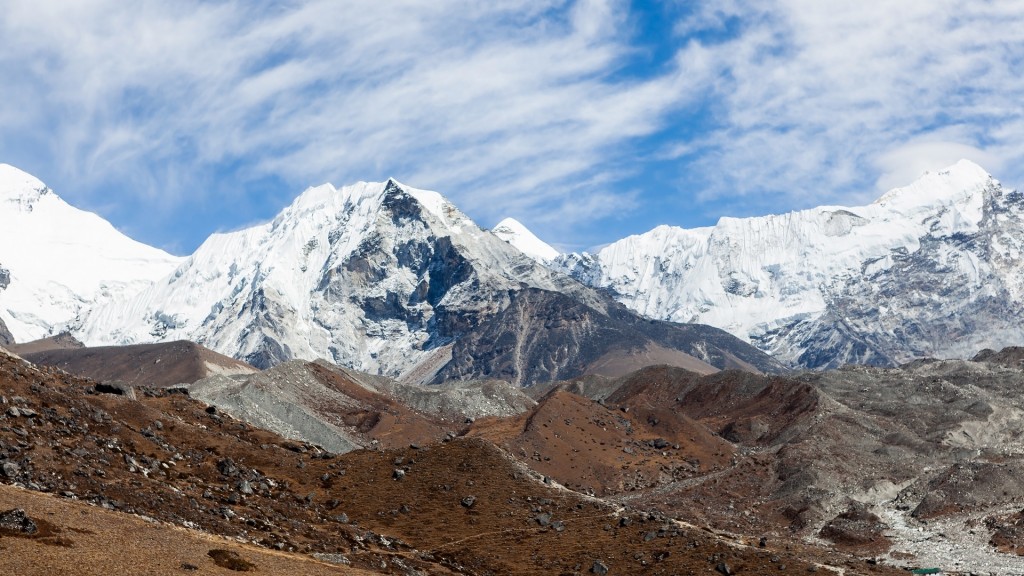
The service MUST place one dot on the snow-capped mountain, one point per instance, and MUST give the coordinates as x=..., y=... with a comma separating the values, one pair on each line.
x=57, y=261
x=386, y=279
x=376, y=276
x=932, y=269
x=512, y=231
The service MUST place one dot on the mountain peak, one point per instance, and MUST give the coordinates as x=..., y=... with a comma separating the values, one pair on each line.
x=16, y=183
x=956, y=182
x=60, y=260
x=512, y=231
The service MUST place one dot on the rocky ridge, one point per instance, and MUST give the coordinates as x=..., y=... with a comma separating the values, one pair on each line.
x=544, y=336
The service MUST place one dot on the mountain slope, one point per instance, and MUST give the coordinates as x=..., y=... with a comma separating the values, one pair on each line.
x=545, y=336
x=57, y=262
x=375, y=276
x=929, y=269
x=6, y=337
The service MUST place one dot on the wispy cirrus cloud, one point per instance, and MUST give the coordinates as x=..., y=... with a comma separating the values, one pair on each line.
x=501, y=105
x=826, y=102
x=573, y=115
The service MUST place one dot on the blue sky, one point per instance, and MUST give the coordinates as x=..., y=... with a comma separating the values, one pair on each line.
x=587, y=121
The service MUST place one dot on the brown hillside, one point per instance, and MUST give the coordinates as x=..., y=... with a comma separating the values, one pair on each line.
x=458, y=507
x=59, y=342
x=160, y=365
x=595, y=448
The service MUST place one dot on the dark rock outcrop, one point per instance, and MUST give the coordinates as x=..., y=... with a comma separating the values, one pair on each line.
x=545, y=336
x=6, y=337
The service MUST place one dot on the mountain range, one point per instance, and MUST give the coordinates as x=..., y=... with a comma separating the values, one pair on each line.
x=928, y=270
x=388, y=279
x=380, y=277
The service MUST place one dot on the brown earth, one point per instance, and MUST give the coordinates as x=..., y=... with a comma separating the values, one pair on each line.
x=620, y=362
x=165, y=456
x=62, y=341
x=157, y=365
x=1007, y=532
x=600, y=449
x=75, y=538
x=379, y=416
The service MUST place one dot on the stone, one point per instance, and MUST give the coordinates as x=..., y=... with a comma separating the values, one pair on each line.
x=398, y=474
x=231, y=560
x=468, y=501
x=543, y=519
x=16, y=520
x=117, y=388
x=10, y=469
x=599, y=568
x=227, y=467
x=724, y=569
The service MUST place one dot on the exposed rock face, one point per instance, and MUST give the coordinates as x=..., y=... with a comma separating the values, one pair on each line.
x=957, y=293
x=545, y=336
x=930, y=270
x=5, y=335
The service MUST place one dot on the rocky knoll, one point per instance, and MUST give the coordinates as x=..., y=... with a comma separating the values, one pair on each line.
x=343, y=410
x=161, y=364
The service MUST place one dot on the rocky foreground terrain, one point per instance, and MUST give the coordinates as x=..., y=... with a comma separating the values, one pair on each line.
x=861, y=469
x=175, y=477
x=912, y=466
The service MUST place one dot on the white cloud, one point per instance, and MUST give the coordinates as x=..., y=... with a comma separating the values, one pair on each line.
x=478, y=100
x=512, y=108
x=822, y=100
